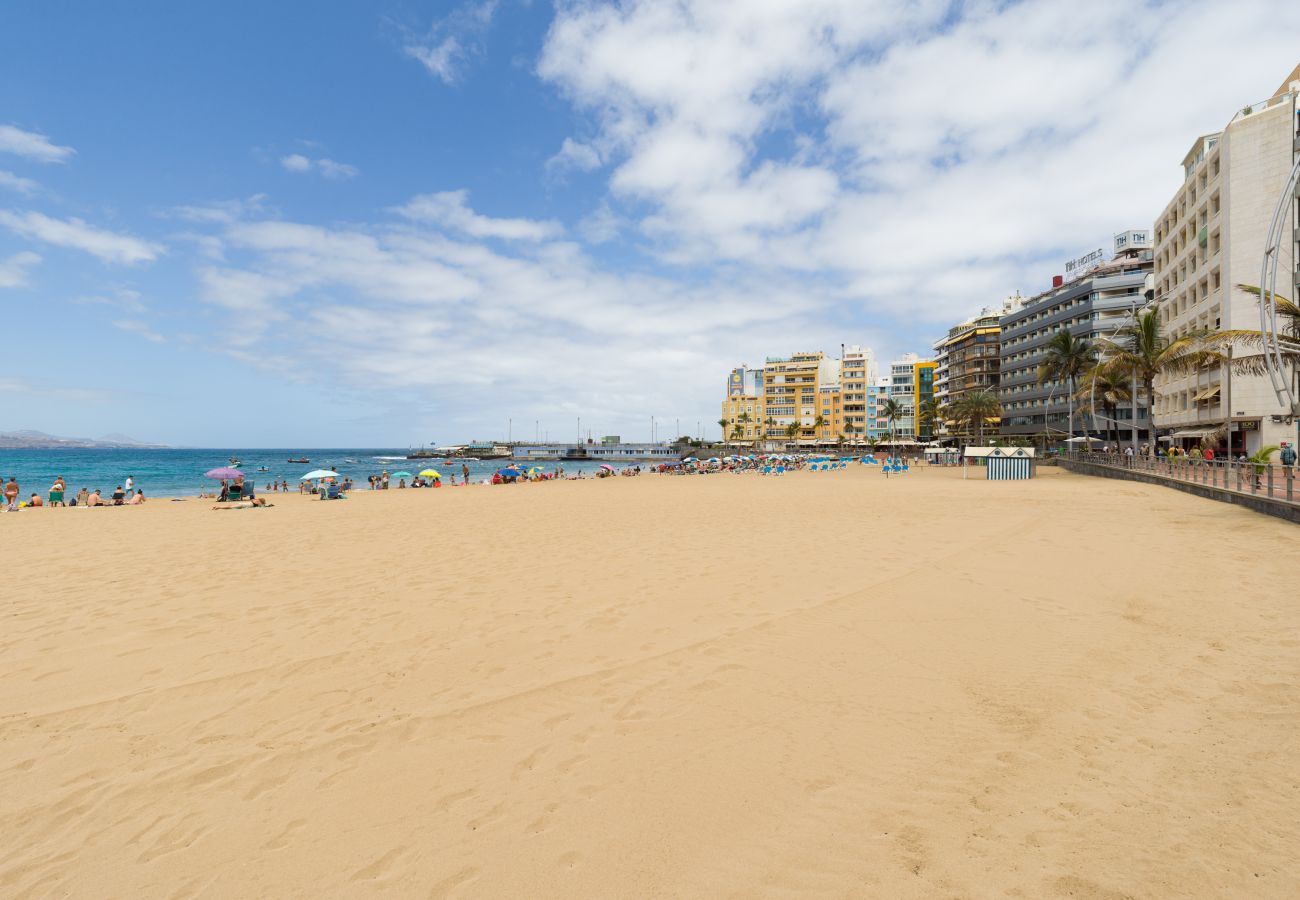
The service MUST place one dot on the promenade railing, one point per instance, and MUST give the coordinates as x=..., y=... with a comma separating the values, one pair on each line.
x=1272, y=480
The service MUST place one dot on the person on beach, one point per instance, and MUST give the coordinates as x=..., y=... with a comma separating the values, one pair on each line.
x=137, y=499
x=11, y=493
x=35, y=500
x=119, y=496
x=95, y=498
x=464, y=472
x=82, y=496
x=56, y=492
x=384, y=477
x=130, y=483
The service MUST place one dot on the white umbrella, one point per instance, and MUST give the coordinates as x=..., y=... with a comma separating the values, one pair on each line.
x=319, y=473
x=1080, y=440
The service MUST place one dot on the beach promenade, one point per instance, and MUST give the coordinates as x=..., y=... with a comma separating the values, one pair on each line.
x=829, y=684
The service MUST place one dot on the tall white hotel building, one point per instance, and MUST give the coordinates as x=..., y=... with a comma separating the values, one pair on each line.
x=1210, y=239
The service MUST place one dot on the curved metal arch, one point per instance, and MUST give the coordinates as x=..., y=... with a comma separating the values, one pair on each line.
x=1274, y=341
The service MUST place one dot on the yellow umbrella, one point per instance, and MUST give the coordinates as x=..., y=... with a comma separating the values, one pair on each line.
x=429, y=473
x=534, y=469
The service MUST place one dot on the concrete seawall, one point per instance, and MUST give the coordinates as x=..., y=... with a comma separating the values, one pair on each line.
x=1267, y=505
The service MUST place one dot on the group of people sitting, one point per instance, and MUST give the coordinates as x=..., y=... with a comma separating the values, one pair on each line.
x=58, y=490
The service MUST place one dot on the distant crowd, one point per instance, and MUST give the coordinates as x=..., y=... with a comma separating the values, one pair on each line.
x=126, y=494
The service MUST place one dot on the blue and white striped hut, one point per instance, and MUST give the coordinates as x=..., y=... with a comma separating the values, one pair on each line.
x=1004, y=463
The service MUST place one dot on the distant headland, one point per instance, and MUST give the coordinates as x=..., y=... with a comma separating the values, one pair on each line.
x=39, y=440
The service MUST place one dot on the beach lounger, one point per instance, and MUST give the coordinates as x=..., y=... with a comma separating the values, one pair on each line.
x=235, y=494
x=780, y=470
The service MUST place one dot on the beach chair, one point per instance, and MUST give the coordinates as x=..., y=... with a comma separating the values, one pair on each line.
x=766, y=470
x=780, y=470
x=236, y=492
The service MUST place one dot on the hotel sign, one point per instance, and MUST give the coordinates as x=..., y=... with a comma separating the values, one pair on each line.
x=1077, y=266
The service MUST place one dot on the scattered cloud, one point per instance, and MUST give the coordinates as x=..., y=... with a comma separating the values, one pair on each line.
x=13, y=271
x=448, y=209
x=32, y=145
x=105, y=245
x=328, y=168
x=452, y=41
x=125, y=299
x=574, y=155
x=140, y=328
x=220, y=211
x=12, y=182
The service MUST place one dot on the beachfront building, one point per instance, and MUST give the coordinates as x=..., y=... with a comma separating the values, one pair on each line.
x=877, y=424
x=790, y=393
x=1093, y=300
x=1209, y=240
x=911, y=384
x=967, y=359
x=857, y=372
x=742, y=409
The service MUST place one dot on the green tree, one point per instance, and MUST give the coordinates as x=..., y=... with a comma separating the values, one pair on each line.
x=792, y=431
x=1143, y=349
x=1109, y=387
x=975, y=408
x=722, y=423
x=926, y=415
x=892, y=411
x=1067, y=357
x=1254, y=363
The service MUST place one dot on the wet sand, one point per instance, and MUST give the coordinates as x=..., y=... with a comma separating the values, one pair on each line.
x=823, y=685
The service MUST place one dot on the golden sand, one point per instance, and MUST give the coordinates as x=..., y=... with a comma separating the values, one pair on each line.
x=823, y=685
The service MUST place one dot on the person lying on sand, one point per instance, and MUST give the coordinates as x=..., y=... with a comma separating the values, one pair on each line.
x=259, y=503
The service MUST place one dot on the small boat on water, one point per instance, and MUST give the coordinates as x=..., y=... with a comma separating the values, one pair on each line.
x=301, y=459
x=263, y=469
x=234, y=461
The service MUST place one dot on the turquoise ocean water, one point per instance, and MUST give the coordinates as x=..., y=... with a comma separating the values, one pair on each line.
x=179, y=473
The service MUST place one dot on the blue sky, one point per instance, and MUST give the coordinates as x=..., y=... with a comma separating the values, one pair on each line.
x=373, y=223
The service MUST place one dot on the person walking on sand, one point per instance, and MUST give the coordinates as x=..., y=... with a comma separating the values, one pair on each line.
x=464, y=472
x=130, y=483
x=11, y=493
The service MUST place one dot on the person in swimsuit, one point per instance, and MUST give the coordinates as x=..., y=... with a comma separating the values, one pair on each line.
x=11, y=493
x=56, y=492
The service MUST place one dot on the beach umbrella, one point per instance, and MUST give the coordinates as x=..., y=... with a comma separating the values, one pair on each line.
x=430, y=473
x=607, y=466
x=510, y=472
x=223, y=472
x=319, y=473
x=400, y=475
x=534, y=469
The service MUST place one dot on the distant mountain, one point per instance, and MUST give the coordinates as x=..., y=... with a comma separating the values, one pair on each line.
x=27, y=439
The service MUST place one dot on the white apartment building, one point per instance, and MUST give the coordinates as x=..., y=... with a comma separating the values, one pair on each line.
x=857, y=373
x=1210, y=239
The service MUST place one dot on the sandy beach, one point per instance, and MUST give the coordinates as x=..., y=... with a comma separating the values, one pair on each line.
x=825, y=685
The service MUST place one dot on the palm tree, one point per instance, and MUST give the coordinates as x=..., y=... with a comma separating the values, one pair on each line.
x=1103, y=382
x=1067, y=357
x=722, y=423
x=976, y=408
x=893, y=411
x=792, y=431
x=1142, y=348
x=818, y=424
x=1254, y=363
x=926, y=415
x=737, y=432
x=744, y=419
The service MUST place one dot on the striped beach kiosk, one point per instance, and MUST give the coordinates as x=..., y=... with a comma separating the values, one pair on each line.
x=1003, y=463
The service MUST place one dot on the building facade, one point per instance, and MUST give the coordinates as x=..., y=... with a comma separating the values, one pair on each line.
x=1209, y=240
x=1095, y=305
x=742, y=408
x=790, y=393
x=968, y=359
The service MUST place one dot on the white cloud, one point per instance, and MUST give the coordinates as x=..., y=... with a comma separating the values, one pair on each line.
x=137, y=327
x=299, y=164
x=10, y=181
x=220, y=211
x=105, y=245
x=13, y=271
x=448, y=209
x=32, y=145
x=925, y=158
x=453, y=40
x=574, y=155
